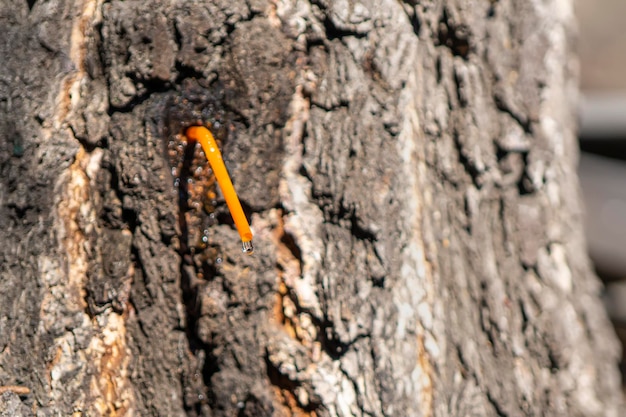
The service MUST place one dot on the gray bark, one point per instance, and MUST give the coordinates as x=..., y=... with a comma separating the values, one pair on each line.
x=409, y=170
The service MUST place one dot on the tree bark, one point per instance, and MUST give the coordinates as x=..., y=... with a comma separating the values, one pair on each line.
x=409, y=170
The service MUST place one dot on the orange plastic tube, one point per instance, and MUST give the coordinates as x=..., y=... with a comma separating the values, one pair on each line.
x=213, y=154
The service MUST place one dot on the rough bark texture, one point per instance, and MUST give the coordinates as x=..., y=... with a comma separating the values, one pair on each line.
x=409, y=172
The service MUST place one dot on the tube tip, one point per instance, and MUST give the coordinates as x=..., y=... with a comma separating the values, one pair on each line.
x=247, y=247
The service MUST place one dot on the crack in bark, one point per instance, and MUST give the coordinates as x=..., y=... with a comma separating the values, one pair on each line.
x=287, y=392
x=496, y=405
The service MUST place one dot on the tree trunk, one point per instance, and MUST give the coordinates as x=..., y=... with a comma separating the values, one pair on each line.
x=409, y=171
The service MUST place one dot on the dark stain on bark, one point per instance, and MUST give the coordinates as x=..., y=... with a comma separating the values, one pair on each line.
x=163, y=78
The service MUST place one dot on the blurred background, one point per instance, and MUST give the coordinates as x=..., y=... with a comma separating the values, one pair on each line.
x=602, y=170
